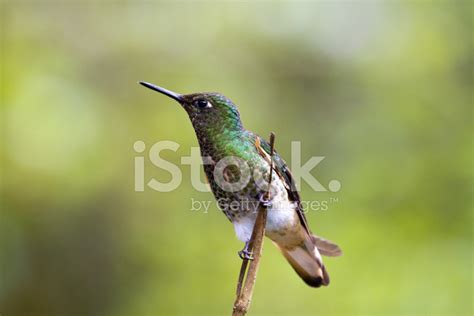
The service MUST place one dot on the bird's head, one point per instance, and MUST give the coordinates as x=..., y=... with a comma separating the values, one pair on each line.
x=209, y=112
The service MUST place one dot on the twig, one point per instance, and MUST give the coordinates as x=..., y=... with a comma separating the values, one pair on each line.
x=245, y=288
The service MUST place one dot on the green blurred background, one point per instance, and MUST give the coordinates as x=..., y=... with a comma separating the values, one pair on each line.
x=383, y=90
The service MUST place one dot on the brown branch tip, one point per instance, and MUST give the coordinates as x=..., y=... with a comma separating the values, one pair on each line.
x=247, y=277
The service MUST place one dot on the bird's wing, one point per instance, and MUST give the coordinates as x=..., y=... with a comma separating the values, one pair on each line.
x=282, y=170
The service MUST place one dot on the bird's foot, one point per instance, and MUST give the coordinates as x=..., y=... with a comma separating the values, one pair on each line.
x=263, y=201
x=246, y=253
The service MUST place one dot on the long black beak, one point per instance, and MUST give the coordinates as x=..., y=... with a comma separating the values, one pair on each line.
x=164, y=91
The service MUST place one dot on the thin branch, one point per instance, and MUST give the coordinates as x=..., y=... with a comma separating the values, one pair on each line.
x=247, y=280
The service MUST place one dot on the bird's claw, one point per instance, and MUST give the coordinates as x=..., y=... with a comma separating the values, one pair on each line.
x=264, y=202
x=246, y=254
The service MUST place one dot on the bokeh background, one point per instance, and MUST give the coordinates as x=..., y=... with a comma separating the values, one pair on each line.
x=383, y=90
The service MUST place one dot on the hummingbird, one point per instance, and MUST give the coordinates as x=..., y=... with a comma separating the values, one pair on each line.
x=221, y=135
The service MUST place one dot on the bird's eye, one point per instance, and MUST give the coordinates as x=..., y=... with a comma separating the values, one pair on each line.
x=202, y=104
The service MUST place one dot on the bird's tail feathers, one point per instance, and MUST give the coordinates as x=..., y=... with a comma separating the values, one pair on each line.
x=306, y=261
x=326, y=248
